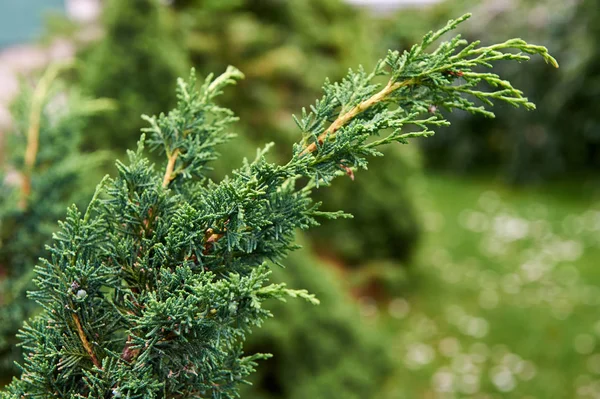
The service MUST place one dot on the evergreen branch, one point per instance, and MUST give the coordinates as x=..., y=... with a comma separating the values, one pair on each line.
x=167, y=271
x=419, y=83
x=198, y=116
x=94, y=199
x=56, y=170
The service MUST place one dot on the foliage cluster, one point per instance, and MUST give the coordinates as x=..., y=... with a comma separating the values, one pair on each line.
x=152, y=290
x=139, y=81
x=285, y=49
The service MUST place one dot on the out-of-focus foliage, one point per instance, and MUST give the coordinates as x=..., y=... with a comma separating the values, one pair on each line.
x=285, y=49
x=135, y=64
x=562, y=137
x=59, y=178
x=378, y=229
x=322, y=352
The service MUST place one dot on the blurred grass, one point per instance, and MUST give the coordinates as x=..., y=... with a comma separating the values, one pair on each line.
x=506, y=295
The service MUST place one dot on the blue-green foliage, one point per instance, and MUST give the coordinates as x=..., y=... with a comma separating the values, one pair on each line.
x=152, y=291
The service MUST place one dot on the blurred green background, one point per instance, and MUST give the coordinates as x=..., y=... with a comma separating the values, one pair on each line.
x=471, y=266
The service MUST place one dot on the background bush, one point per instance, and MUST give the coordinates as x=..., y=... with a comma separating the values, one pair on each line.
x=61, y=175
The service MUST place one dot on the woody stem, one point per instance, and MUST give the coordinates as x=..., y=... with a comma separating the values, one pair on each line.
x=85, y=342
x=345, y=118
x=170, y=167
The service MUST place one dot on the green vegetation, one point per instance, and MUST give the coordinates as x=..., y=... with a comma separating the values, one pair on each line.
x=128, y=32
x=45, y=172
x=310, y=344
x=439, y=286
x=286, y=50
x=135, y=65
x=152, y=290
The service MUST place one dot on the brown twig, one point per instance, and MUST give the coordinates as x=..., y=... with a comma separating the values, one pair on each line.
x=363, y=106
x=33, y=132
x=170, y=167
x=85, y=342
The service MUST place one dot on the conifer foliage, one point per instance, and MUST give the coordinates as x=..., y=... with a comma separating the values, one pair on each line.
x=151, y=290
